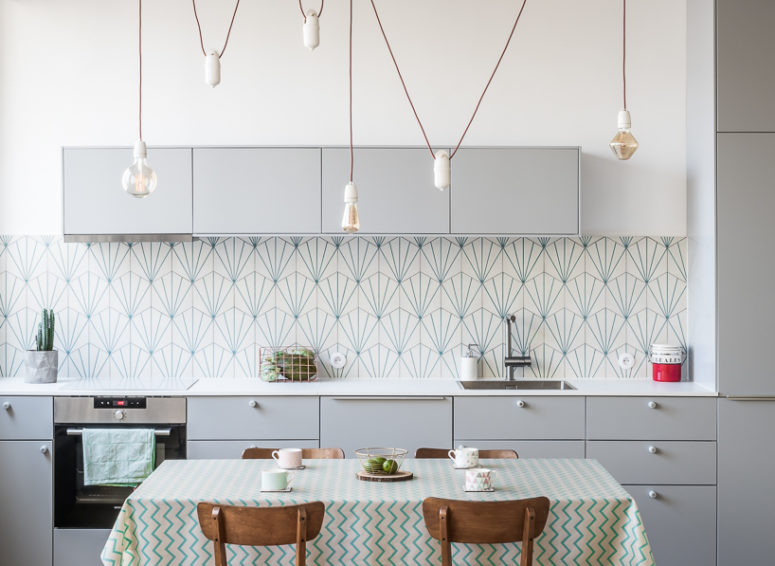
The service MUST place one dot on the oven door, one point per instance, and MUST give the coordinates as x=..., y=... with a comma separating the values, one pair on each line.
x=96, y=506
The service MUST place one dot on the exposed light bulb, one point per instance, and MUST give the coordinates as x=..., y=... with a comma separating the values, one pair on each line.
x=350, y=220
x=139, y=179
x=213, y=68
x=624, y=143
x=311, y=30
x=441, y=174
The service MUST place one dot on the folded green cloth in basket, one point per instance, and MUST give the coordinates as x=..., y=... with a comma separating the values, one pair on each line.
x=117, y=456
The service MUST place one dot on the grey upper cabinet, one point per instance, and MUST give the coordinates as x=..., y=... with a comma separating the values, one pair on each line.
x=745, y=211
x=515, y=191
x=745, y=74
x=95, y=203
x=396, y=194
x=257, y=190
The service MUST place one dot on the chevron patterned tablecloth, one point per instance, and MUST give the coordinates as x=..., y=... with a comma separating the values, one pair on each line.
x=592, y=519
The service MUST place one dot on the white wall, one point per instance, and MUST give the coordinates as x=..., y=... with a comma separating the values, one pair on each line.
x=68, y=77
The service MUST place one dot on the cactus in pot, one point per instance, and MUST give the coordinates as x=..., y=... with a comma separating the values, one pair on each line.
x=41, y=364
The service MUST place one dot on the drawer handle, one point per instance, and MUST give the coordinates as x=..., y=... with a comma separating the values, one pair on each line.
x=253, y=404
x=521, y=404
x=652, y=449
x=653, y=405
x=7, y=406
x=653, y=494
x=44, y=450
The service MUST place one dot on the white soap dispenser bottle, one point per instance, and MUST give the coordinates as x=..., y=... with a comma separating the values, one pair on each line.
x=469, y=363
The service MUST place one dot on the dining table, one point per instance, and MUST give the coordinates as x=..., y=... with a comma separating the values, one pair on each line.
x=592, y=519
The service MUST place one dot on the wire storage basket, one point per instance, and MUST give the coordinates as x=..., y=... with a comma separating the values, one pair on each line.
x=288, y=363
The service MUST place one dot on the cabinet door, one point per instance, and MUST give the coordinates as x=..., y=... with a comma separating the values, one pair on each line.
x=745, y=212
x=408, y=422
x=746, y=484
x=25, y=490
x=396, y=194
x=95, y=203
x=231, y=449
x=26, y=418
x=250, y=190
x=680, y=523
x=745, y=74
x=79, y=547
x=515, y=191
x=532, y=448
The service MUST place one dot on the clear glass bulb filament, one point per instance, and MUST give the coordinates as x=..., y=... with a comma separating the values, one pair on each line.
x=350, y=220
x=624, y=143
x=139, y=180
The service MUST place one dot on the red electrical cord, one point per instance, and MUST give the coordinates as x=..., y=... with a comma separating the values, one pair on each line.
x=351, y=89
x=479, y=102
x=228, y=33
x=624, y=52
x=320, y=12
x=140, y=61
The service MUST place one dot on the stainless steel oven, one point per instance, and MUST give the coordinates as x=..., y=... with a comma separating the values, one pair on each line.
x=78, y=506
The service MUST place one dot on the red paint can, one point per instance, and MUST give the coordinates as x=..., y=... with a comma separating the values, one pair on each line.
x=666, y=361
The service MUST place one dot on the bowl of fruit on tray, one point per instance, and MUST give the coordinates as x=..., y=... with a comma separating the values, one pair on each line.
x=381, y=461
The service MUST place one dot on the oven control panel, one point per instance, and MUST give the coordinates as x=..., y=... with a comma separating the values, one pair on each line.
x=119, y=403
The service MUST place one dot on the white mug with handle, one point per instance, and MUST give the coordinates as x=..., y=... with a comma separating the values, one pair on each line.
x=465, y=457
x=288, y=458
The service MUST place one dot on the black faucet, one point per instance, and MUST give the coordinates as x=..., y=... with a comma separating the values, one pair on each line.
x=512, y=362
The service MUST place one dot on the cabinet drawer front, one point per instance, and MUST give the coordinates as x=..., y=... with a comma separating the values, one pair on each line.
x=238, y=418
x=644, y=418
x=26, y=418
x=657, y=461
x=529, y=418
x=532, y=448
x=680, y=521
x=232, y=449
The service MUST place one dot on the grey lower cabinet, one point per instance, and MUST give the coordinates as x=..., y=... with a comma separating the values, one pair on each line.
x=396, y=194
x=95, y=203
x=79, y=547
x=515, y=191
x=257, y=190
x=230, y=449
x=746, y=484
x=26, y=520
x=406, y=422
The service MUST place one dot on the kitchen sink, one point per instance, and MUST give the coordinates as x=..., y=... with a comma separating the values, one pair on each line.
x=548, y=384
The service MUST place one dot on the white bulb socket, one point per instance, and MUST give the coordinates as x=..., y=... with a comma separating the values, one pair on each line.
x=311, y=30
x=624, y=122
x=141, y=151
x=350, y=193
x=441, y=170
x=213, y=68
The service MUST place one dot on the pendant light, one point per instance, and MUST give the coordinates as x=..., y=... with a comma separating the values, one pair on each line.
x=441, y=158
x=213, y=56
x=624, y=143
x=311, y=27
x=350, y=220
x=139, y=180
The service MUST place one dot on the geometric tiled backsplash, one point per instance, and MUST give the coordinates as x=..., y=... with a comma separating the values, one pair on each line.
x=395, y=306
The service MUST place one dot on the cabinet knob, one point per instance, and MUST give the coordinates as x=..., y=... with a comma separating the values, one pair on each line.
x=7, y=406
x=653, y=494
x=119, y=415
x=521, y=404
x=252, y=404
x=652, y=449
x=653, y=405
x=44, y=450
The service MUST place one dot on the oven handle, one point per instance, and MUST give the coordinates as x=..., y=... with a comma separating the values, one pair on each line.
x=157, y=432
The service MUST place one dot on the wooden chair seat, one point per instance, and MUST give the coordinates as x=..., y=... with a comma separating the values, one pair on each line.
x=484, y=454
x=485, y=522
x=306, y=453
x=260, y=526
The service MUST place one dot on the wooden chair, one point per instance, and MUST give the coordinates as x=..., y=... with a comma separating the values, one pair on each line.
x=260, y=526
x=444, y=453
x=485, y=522
x=306, y=453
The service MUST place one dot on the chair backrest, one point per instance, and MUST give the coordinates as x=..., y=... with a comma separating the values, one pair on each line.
x=485, y=522
x=260, y=526
x=306, y=453
x=483, y=453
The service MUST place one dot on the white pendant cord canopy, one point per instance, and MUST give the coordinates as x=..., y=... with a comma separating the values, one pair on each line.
x=442, y=159
x=139, y=180
x=311, y=28
x=213, y=56
x=350, y=220
x=624, y=143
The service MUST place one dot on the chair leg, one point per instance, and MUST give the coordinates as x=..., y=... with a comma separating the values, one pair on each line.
x=446, y=547
x=219, y=547
x=301, y=537
x=527, y=537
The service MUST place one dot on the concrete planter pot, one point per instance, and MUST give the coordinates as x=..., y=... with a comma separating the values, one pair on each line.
x=41, y=367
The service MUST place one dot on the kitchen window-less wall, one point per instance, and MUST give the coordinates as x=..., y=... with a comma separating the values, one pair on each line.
x=396, y=306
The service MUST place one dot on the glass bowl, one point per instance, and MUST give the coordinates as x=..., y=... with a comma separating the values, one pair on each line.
x=373, y=460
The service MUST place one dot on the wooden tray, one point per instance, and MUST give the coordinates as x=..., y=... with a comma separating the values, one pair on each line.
x=401, y=475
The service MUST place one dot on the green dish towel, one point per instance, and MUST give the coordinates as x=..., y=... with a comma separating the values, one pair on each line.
x=117, y=456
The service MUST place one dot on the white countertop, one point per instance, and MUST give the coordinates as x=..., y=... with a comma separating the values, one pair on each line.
x=341, y=387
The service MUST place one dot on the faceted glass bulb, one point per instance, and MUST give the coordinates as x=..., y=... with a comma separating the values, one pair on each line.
x=139, y=180
x=350, y=220
x=624, y=144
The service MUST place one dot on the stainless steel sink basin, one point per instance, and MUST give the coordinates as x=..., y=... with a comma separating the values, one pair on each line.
x=523, y=384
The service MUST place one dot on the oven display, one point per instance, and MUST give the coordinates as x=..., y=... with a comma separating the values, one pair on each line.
x=119, y=403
